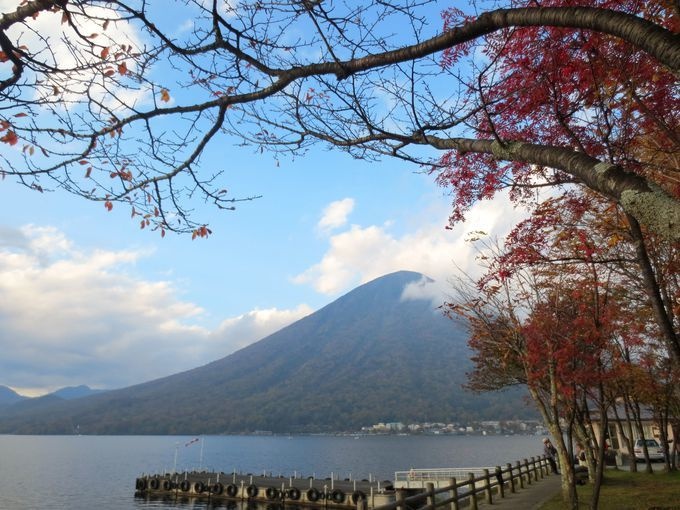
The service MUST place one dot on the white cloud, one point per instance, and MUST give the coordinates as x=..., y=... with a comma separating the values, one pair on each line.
x=335, y=214
x=426, y=288
x=360, y=254
x=48, y=30
x=240, y=331
x=70, y=316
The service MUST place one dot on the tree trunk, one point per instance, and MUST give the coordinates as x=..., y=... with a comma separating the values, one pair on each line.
x=651, y=207
x=552, y=421
x=651, y=286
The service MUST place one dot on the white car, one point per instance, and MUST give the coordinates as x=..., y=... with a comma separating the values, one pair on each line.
x=653, y=449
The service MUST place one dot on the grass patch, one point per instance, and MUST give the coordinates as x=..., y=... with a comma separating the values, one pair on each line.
x=622, y=490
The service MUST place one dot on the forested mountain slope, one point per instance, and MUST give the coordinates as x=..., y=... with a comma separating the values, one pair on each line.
x=368, y=357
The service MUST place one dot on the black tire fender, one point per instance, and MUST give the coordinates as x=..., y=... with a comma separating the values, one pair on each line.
x=337, y=496
x=313, y=494
x=358, y=496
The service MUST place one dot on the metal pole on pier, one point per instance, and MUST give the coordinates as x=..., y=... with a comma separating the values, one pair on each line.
x=200, y=456
x=174, y=469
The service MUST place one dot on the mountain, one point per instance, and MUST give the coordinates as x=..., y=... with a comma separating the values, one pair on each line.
x=8, y=396
x=11, y=403
x=368, y=357
x=71, y=392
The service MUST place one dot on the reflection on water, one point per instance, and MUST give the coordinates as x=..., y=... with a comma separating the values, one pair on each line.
x=186, y=503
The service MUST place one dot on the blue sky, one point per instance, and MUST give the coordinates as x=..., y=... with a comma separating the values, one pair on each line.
x=86, y=297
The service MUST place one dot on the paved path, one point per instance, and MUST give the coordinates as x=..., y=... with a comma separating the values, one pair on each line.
x=529, y=498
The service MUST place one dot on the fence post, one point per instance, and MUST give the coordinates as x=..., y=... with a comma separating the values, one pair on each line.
x=533, y=468
x=501, y=483
x=430, y=494
x=512, y=477
x=526, y=466
x=362, y=504
x=487, y=487
x=401, y=505
x=521, y=476
x=540, y=467
x=473, y=491
x=453, y=494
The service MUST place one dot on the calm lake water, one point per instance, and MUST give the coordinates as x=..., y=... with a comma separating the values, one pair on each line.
x=98, y=472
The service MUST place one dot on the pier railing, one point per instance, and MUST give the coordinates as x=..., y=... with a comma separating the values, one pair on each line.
x=470, y=489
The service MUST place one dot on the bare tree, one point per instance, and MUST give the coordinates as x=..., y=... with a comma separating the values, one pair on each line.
x=111, y=101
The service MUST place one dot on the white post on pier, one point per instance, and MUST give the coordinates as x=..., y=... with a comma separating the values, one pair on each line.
x=200, y=456
x=174, y=469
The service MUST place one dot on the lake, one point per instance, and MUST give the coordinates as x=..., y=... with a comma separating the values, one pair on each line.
x=84, y=472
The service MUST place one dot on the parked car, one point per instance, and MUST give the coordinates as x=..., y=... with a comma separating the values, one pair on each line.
x=653, y=449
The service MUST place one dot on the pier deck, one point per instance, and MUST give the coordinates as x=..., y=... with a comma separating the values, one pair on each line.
x=327, y=492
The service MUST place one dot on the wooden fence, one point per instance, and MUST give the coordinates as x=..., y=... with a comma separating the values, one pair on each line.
x=469, y=492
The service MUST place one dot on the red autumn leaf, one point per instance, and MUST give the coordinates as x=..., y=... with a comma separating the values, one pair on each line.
x=109, y=72
x=83, y=162
x=88, y=171
x=21, y=115
x=105, y=53
x=122, y=68
x=201, y=232
x=165, y=95
x=10, y=138
x=108, y=205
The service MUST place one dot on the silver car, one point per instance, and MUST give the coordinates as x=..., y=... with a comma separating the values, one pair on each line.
x=653, y=449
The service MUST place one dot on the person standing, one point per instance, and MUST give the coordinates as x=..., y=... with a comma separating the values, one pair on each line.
x=550, y=452
x=581, y=455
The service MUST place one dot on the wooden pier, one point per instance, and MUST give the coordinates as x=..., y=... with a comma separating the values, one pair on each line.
x=318, y=492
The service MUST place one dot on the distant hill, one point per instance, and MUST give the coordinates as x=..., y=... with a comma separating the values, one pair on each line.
x=8, y=396
x=368, y=357
x=14, y=403
x=71, y=392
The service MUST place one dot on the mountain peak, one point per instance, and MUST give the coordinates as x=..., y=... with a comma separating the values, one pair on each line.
x=369, y=356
